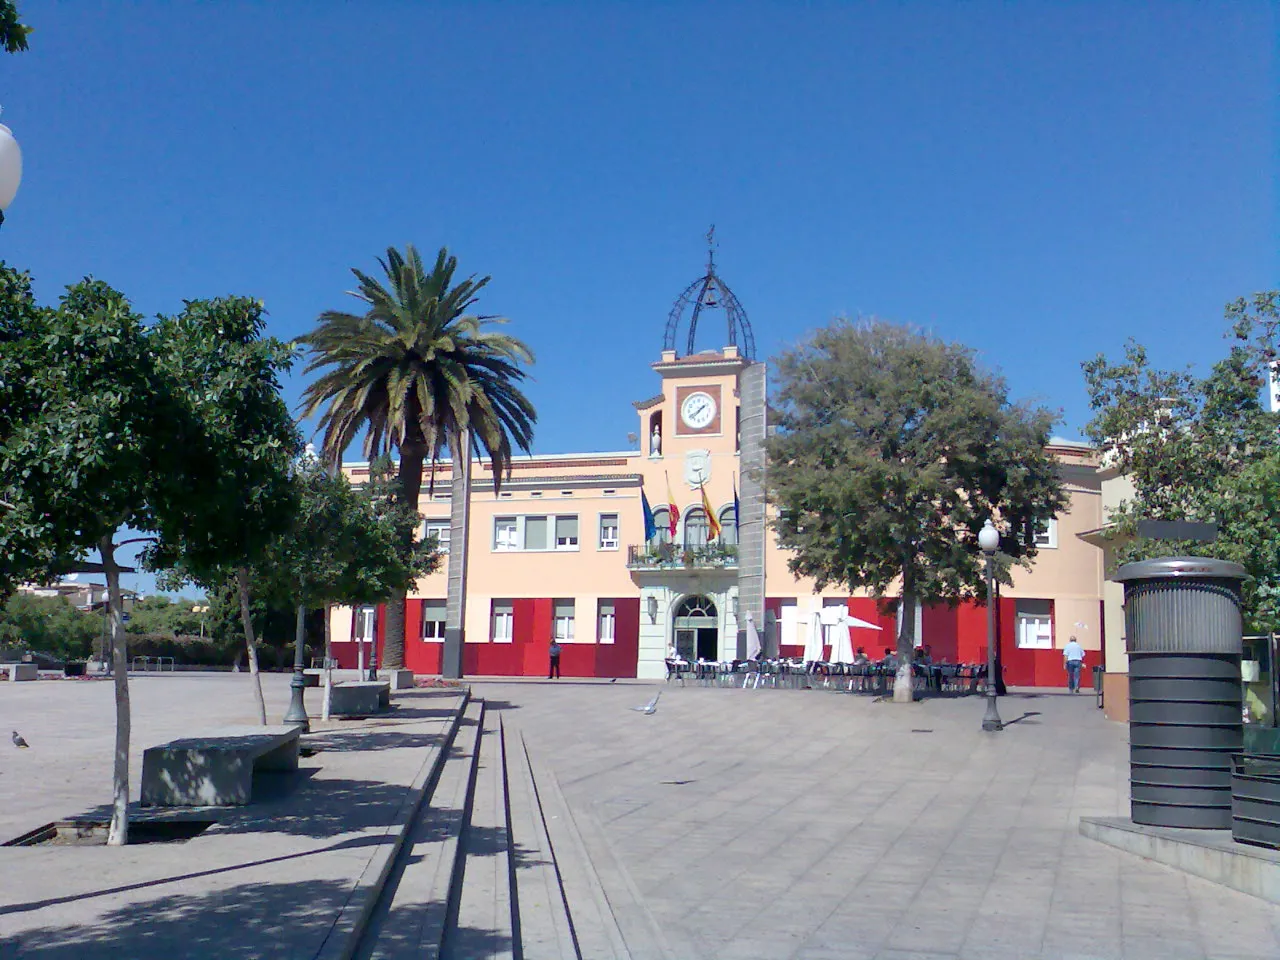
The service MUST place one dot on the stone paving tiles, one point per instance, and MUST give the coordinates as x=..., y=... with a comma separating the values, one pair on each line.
x=270, y=879
x=811, y=824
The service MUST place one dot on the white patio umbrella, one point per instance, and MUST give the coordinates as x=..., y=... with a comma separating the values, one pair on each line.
x=753, y=638
x=841, y=647
x=813, y=652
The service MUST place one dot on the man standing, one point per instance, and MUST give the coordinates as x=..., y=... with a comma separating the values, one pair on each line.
x=1073, y=656
x=555, y=660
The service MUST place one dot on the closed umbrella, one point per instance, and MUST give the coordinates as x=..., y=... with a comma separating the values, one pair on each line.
x=841, y=647
x=813, y=652
x=753, y=638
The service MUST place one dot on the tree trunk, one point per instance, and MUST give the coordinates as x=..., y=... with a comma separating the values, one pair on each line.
x=118, y=834
x=902, y=683
x=459, y=534
x=412, y=454
x=251, y=645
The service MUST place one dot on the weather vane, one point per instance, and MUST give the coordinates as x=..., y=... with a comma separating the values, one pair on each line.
x=711, y=249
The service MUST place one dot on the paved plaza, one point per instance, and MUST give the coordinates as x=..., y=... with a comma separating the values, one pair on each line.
x=730, y=824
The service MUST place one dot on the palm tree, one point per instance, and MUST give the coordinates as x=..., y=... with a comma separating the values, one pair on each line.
x=418, y=373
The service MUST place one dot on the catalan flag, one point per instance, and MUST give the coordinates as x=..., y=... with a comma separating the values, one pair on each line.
x=673, y=512
x=713, y=522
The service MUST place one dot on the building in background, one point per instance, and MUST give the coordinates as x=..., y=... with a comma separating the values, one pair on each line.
x=561, y=553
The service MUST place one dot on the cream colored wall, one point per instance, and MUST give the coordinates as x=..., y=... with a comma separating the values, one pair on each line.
x=1115, y=490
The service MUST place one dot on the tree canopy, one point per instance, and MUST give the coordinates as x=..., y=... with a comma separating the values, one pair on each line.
x=1202, y=448
x=891, y=449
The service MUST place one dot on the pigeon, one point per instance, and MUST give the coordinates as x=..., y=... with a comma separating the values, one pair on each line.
x=20, y=743
x=650, y=708
x=614, y=680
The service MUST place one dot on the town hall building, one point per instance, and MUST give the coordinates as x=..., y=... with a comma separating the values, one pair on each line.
x=561, y=553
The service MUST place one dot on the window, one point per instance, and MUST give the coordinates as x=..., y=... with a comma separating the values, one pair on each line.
x=610, y=493
x=441, y=530
x=606, y=621
x=1047, y=534
x=1035, y=624
x=504, y=534
x=564, y=620
x=695, y=528
x=566, y=533
x=536, y=494
x=728, y=526
x=608, y=531
x=535, y=533
x=662, y=520
x=502, y=621
x=365, y=623
x=566, y=493
x=433, y=620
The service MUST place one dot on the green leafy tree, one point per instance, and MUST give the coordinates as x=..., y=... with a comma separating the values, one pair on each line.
x=1200, y=448
x=418, y=374
x=50, y=624
x=892, y=447
x=13, y=33
x=241, y=446
x=347, y=545
x=90, y=429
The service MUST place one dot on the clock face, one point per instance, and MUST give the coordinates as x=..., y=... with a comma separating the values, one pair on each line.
x=698, y=410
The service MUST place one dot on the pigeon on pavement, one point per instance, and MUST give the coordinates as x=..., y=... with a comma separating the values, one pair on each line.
x=650, y=708
x=614, y=680
x=18, y=741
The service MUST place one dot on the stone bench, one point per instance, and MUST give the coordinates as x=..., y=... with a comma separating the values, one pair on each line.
x=359, y=698
x=20, y=671
x=216, y=770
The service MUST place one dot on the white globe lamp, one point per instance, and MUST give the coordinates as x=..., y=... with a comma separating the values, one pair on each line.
x=10, y=168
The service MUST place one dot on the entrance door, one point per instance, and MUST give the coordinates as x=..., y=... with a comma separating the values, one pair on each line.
x=687, y=644
x=696, y=629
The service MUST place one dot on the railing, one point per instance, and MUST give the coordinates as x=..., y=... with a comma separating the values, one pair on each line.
x=150, y=663
x=673, y=556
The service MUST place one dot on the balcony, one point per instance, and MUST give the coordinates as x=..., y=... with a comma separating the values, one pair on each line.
x=672, y=556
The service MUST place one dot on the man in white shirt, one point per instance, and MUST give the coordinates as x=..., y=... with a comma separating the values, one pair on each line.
x=1073, y=656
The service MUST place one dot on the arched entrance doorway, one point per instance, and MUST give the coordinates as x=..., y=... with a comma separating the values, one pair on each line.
x=697, y=628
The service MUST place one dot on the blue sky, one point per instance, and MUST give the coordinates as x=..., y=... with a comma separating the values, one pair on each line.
x=1037, y=180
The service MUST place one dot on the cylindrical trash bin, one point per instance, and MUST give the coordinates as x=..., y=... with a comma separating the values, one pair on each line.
x=1183, y=626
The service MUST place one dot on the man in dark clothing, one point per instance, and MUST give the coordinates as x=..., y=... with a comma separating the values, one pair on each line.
x=555, y=661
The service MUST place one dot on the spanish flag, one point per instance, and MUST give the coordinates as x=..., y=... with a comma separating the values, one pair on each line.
x=673, y=512
x=713, y=522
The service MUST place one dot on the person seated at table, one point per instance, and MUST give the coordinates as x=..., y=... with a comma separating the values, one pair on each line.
x=924, y=655
x=860, y=657
x=890, y=661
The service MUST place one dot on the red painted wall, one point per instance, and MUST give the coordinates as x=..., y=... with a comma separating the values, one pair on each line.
x=620, y=658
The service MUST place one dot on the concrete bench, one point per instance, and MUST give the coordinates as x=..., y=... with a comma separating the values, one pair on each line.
x=216, y=770
x=20, y=671
x=359, y=698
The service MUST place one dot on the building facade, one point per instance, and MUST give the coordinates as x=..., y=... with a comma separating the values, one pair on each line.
x=561, y=552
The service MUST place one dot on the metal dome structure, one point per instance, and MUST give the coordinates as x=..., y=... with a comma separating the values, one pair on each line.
x=709, y=292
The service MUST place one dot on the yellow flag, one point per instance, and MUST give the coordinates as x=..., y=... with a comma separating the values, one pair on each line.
x=713, y=522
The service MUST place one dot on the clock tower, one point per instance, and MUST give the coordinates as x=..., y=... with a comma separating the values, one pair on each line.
x=702, y=463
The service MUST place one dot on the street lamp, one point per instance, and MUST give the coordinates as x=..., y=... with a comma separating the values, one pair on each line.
x=989, y=541
x=297, y=712
x=10, y=168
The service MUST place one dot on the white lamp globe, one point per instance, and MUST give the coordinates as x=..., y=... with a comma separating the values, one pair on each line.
x=10, y=167
x=988, y=537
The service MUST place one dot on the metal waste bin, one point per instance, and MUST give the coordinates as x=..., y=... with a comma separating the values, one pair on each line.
x=1182, y=620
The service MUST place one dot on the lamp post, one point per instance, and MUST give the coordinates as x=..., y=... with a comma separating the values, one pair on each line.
x=297, y=712
x=10, y=168
x=989, y=541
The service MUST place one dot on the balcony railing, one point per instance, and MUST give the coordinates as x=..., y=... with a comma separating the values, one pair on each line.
x=673, y=556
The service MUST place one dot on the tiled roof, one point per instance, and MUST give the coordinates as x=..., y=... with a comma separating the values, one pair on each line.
x=646, y=404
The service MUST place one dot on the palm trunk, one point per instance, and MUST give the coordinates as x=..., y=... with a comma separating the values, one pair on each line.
x=412, y=455
x=251, y=645
x=118, y=833
x=459, y=534
x=902, y=683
